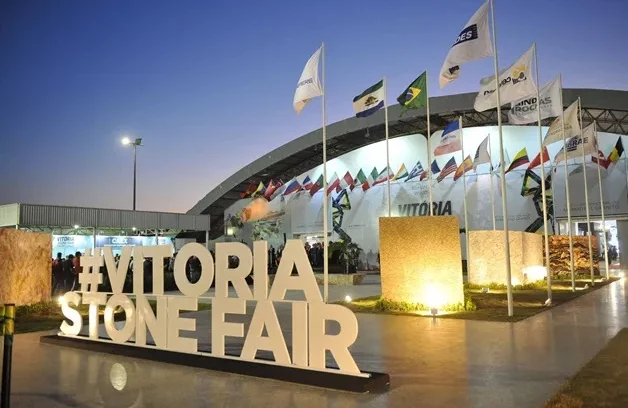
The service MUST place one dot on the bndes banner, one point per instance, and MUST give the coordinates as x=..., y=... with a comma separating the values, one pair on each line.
x=473, y=43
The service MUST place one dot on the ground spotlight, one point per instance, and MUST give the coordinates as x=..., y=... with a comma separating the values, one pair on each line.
x=347, y=299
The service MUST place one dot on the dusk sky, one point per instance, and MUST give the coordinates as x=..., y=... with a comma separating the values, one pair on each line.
x=209, y=84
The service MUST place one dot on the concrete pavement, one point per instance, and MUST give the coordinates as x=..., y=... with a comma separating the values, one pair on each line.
x=432, y=363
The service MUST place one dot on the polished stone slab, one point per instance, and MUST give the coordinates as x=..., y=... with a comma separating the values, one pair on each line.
x=431, y=362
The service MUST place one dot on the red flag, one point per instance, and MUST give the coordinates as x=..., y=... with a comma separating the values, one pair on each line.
x=347, y=181
x=249, y=191
x=333, y=184
x=601, y=159
x=270, y=189
x=537, y=160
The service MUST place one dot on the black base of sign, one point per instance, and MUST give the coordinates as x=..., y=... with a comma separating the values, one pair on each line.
x=377, y=382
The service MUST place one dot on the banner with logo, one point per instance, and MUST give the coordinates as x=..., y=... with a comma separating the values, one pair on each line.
x=572, y=126
x=577, y=144
x=515, y=83
x=473, y=43
x=359, y=217
x=309, y=85
x=523, y=111
x=356, y=213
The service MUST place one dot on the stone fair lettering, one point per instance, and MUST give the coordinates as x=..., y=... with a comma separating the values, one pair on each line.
x=309, y=340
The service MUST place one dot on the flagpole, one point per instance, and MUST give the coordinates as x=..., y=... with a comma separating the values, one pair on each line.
x=429, y=144
x=599, y=178
x=569, y=230
x=543, y=191
x=387, y=151
x=586, y=197
x=490, y=155
x=464, y=200
x=325, y=198
x=502, y=170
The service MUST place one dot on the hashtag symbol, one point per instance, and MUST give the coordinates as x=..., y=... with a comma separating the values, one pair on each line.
x=90, y=276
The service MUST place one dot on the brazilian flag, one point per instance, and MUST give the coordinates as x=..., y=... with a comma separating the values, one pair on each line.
x=415, y=95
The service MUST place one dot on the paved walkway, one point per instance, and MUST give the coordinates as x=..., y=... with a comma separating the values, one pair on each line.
x=432, y=363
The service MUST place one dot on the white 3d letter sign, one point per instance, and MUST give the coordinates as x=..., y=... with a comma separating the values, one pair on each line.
x=167, y=325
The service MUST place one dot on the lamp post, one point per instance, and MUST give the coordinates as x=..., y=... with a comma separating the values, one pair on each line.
x=126, y=141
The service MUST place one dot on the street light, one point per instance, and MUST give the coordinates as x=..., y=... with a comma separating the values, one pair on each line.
x=126, y=141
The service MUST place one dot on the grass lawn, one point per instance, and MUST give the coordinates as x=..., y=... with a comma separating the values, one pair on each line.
x=603, y=382
x=47, y=316
x=493, y=306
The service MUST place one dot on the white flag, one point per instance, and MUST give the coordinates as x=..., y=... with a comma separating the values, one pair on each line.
x=576, y=144
x=482, y=155
x=473, y=43
x=515, y=82
x=523, y=111
x=309, y=85
x=572, y=127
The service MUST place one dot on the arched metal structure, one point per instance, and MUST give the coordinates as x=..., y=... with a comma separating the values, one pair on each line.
x=608, y=107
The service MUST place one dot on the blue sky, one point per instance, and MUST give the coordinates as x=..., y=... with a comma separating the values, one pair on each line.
x=209, y=84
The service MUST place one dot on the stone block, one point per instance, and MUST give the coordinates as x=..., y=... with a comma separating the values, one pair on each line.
x=486, y=260
x=25, y=267
x=420, y=260
x=559, y=255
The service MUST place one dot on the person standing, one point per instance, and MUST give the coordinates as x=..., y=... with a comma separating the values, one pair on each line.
x=68, y=273
x=76, y=269
x=57, y=274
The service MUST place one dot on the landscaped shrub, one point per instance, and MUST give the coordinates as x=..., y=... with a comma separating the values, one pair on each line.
x=540, y=284
x=40, y=308
x=387, y=305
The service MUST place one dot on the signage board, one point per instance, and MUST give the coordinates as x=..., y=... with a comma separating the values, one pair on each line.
x=309, y=340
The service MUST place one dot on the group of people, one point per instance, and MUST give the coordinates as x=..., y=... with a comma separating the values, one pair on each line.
x=65, y=272
x=315, y=254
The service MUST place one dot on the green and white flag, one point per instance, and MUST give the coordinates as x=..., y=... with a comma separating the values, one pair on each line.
x=370, y=180
x=383, y=176
x=360, y=179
